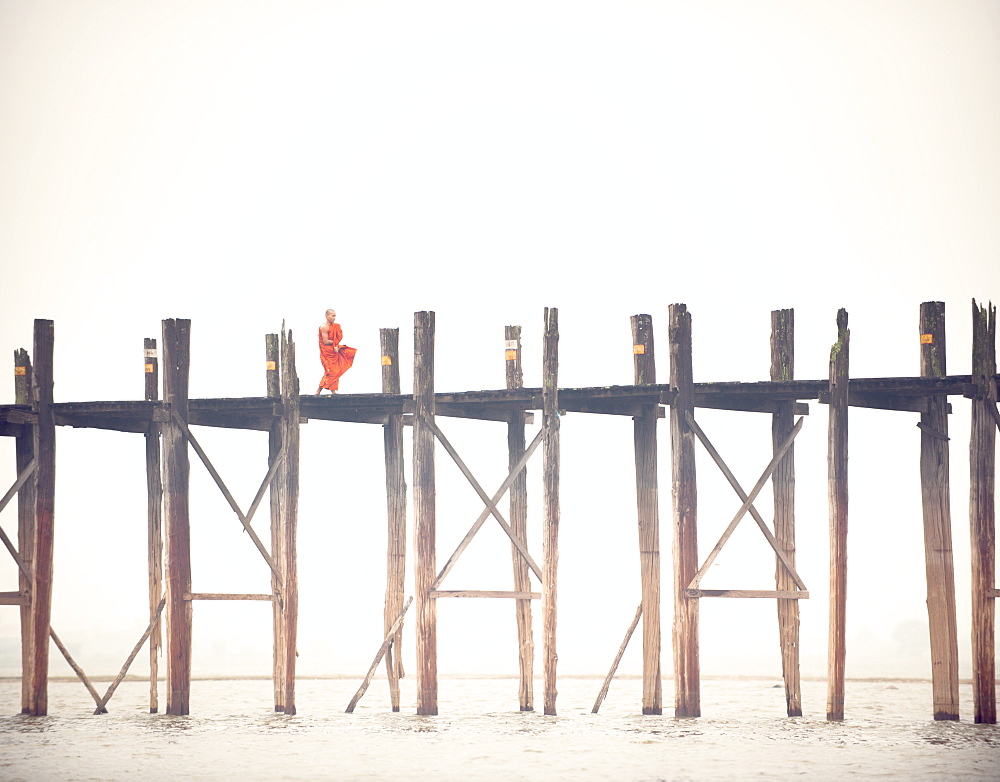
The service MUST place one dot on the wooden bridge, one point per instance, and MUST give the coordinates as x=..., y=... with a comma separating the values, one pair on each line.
x=166, y=423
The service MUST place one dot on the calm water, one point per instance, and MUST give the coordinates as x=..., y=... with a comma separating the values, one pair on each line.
x=234, y=734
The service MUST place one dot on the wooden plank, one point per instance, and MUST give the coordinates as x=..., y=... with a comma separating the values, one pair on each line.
x=24, y=447
x=516, y=594
x=228, y=596
x=936, y=505
x=746, y=404
x=550, y=504
x=395, y=500
x=176, y=344
x=783, y=490
x=687, y=685
x=14, y=599
x=518, y=512
x=424, y=512
x=45, y=480
x=837, y=491
x=982, y=513
x=390, y=638
x=618, y=658
x=781, y=594
x=648, y=514
x=154, y=519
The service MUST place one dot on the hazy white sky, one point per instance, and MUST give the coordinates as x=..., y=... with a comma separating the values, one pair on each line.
x=245, y=163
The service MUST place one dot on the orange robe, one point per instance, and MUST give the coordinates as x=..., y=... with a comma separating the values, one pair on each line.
x=335, y=363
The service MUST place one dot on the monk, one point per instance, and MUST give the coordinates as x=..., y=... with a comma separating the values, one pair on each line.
x=336, y=358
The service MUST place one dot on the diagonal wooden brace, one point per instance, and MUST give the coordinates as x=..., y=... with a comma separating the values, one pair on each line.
x=490, y=504
x=244, y=520
x=487, y=513
x=21, y=480
x=747, y=502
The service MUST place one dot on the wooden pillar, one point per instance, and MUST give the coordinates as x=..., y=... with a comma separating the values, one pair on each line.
x=288, y=475
x=177, y=549
x=936, y=498
x=550, y=502
x=783, y=485
x=395, y=498
x=277, y=501
x=26, y=498
x=424, y=519
x=687, y=684
x=647, y=501
x=982, y=511
x=45, y=479
x=154, y=518
x=519, y=522
x=837, y=493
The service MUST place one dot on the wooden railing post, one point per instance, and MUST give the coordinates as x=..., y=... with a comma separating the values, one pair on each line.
x=424, y=511
x=395, y=498
x=288, y=479
x=519, y=521
x=177, y=549
x=154, y=518
x=45, y=480
x=837, y=492
x=687, y=684
x=982, y=511
x=783, y=484
x=550, y=501
x=276, y=499
x=936, y=500
x=26, y=499
x=647, y=501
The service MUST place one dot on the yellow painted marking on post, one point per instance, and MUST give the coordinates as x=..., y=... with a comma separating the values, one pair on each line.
x=150, y=369
x=511, y=355
x=639, y=349
x=926, y=339
x=19, y=371
x=272, y=366
x=387, y=361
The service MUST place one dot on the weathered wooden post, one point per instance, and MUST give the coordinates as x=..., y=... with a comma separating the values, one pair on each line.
x=550, y=502
x=424, y=518
x=24, y=446
x=982, y=511
x=647, y=501
x=154, y=518
x=837, y=492
x=936, y=498
x=519, y=521
x=783, y=485
x=290, y=493
x=277, y=502
x=395, y=497
x=687, y=684
x=45, y=482
x=176, y=367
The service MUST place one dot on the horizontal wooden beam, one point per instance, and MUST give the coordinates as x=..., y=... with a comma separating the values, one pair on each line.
x=745, y=404
x=13, y=599
x=484, y=593
x=786, y=594
x=499, y=413
x=223, y=596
